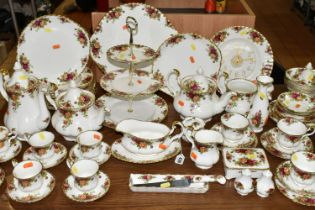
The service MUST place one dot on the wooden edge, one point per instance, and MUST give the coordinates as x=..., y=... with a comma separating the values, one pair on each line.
x=247, y=8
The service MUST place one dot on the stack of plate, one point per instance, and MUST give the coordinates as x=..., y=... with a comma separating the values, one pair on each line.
x=293, y=104
x=295, y=81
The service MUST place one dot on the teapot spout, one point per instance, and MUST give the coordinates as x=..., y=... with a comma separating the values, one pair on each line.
x=223, y=101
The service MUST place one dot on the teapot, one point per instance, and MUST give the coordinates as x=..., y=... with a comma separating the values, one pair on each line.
x=77, y=111
x=204, y=151
x=27, y=112
x=195, y=95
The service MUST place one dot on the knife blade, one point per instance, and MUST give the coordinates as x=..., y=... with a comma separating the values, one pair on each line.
x=184, y=182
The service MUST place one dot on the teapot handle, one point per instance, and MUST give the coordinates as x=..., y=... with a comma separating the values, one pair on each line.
x=171, y=86
x=179, y=135
x=222, y=80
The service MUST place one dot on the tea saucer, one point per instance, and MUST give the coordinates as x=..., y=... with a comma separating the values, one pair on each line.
x=283, y=174
x=298, y=196
x=2, y=176
x=60, y=153
x=14, y=192
x=76, y=195
x=12, y=152
x=119, y=152
x=75, y=154
x=269, y=141
x=248, y=141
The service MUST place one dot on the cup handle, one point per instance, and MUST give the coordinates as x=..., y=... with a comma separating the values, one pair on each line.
x=12, y=135
x=27, y=136
x=309, y=134
x=14, y=162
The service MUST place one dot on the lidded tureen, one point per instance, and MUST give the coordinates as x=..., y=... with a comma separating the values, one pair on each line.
x=195, y=95
x=77, y=111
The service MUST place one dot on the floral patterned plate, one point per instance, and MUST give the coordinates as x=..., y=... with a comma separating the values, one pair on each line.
x=119, y=152
x=60, y=153
x=283, y=183
x=75, y=154
x=187, y=53
x=151, y=109
x=134, y=54
x=99, y=191
x=2, y=176
x=248, y=141
x=276, y=113
x=14, y=192
x=269, y=141
x=153, y=29
x=143, y=83
x=246, y=53
x=12, y=152
x=51, y=46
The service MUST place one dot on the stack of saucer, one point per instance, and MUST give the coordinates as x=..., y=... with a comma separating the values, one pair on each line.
x=293, y=104
x=9, y=146
x=296, y=178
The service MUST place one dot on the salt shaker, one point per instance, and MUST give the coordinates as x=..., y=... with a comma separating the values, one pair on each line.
x=244, y=183
x=265, y=185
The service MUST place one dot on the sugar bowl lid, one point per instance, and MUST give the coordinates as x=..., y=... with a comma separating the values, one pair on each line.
x=75, y=99
x=305, y=161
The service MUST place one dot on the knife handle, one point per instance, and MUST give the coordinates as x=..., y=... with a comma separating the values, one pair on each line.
x=210, y=178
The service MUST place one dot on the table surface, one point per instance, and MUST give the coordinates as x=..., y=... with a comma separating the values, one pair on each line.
x=120, y=196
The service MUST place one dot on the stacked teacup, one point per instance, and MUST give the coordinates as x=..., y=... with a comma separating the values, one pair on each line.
x=296, y=178
x=9, y=146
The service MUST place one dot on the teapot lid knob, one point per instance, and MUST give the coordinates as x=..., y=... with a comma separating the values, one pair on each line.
x=200, y=70
x=17, y=66
x=309, y=66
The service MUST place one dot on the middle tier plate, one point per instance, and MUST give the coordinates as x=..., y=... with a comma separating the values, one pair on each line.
x=153, y=109
x=142, y=83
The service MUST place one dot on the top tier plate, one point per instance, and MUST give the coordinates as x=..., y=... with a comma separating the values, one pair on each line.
x=246, y=53
x=153, y=29
x=51, y=46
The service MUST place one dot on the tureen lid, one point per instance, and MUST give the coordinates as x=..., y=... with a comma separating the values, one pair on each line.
x=305, y=161
x=21, y=78
x=75, y=99
x=198, y=82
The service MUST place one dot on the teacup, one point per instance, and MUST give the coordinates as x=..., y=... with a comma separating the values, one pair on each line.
x=89, y=143
x=147, y=138
x=303, y=164
x=234, y=126
x=41, y=143
x=28, y=174
x=85, y=174
x=241, y=102
x=5, y=138
x=291, y=131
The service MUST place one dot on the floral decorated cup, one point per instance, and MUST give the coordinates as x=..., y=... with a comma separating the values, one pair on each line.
x=241, y=102
x=234, y=126
x=89, y=143
x=28, y=174
x=5, y=138
x=291, y=132
x=41, y=143
x=85, y=174
x=303, y=172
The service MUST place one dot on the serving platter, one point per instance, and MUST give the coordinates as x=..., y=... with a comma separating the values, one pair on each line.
x=143, y=83
x=187, y=53
x=51, y=46
x=153, y=29
x=246, y=53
